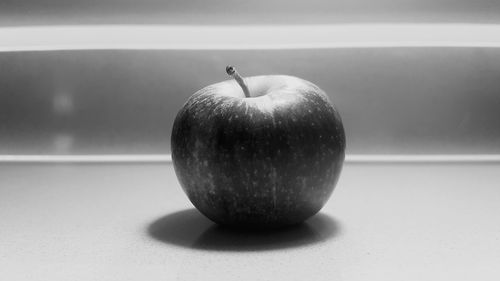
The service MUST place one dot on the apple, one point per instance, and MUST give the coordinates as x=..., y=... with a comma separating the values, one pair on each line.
x=258, y=152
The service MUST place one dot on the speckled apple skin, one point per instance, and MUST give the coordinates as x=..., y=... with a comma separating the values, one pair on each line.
x=263, y=162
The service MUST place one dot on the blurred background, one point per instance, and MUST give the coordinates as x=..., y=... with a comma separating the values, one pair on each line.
x=100, y=81
x=420, y=97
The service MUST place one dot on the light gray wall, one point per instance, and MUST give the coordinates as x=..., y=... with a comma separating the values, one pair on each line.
x=48, y=12
x=392, y=100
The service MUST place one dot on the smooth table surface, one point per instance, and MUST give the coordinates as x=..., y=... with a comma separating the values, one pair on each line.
x=133, y=222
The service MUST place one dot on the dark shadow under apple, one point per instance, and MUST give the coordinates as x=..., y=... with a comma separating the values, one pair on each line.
x=189, y=228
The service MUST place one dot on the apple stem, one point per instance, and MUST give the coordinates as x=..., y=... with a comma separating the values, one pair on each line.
x=231, y=71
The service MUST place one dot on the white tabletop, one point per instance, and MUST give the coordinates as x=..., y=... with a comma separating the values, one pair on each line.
x=133, y=222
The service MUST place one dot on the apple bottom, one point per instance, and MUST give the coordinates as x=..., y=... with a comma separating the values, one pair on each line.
x=259, y=176
x=260, y=194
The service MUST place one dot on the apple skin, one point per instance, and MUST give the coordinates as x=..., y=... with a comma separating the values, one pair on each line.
x=265, y=161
